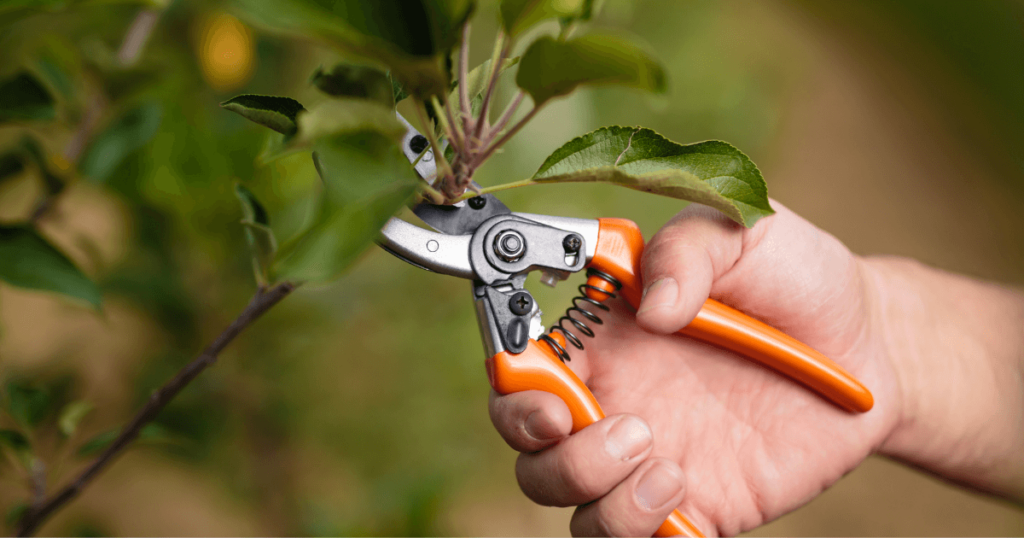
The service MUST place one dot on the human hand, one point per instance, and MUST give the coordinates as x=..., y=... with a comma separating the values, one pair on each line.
x=749, y=444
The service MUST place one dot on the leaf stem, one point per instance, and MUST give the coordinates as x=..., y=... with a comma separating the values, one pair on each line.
x=262, y=301
x=506, y=116
x=508, y=136
x=464, y=77
x=501, y=49
x=450, y=127
x=428, y=129
x=502, y=187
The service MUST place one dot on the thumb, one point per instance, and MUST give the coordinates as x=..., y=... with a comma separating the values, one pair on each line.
x=681, y=263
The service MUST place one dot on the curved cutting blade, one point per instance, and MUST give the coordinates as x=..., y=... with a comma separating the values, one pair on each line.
x=458, y=219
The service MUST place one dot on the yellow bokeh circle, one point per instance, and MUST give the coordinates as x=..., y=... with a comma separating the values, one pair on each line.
x=226, y=52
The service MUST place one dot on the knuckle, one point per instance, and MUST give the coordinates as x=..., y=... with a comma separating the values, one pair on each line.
x=572, y=472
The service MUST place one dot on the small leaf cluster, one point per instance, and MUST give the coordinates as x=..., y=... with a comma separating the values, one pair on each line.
x=418, y=50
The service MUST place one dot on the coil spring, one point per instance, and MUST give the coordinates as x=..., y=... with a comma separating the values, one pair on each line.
x=580, y=324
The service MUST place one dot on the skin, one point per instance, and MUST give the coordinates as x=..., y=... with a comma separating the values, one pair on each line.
x=733, y=445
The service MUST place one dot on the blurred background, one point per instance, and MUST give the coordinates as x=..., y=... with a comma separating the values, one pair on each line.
x=360, y=407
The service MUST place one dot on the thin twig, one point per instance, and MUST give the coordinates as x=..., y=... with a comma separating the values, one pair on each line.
x=261, y=302
x=137, y=36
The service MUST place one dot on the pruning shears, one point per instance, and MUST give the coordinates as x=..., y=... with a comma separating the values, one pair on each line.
x=483, y=241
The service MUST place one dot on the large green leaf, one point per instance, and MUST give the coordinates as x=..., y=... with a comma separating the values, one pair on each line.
x=277, y=113
x=262, y=243
x=552, y=68
x=711, y=173
x=367, y=179
x=129, y=133
x=477, y=83
x=347, y=115
x=519, y=15
x=29, y=261
x=409, y=37
x=22, y=97
x=347, y=80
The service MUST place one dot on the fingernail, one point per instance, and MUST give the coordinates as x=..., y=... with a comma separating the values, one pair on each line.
x=627, y=438
x=540, y=426
x=657, y=487
x=661, y=293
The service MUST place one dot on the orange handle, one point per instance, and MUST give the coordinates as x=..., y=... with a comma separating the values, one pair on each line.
x=538, y=368
x=619, y=246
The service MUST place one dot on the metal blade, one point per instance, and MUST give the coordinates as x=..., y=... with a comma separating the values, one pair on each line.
x=458, y=219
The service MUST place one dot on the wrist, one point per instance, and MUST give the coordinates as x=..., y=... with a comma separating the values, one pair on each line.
x=956, y=349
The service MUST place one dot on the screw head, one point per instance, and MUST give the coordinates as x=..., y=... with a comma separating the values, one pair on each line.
x=572, y=243
x=477, y=202
x=509, y=245
x=418, y=143
x=521, y=303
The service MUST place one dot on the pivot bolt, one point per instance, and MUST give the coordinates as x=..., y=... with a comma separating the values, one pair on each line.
x=477, y=202
x=521, y=303
x=572, y=243
x=509, y=245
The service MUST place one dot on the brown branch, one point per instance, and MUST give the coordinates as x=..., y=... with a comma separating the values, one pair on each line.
x=261, y=302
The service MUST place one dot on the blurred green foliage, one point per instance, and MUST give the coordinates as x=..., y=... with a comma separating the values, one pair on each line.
x=360, y=407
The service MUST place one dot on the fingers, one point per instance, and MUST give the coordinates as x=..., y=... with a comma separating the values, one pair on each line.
x=635, y=507
x=530, y=421
x=681, y=263
x=586, y=465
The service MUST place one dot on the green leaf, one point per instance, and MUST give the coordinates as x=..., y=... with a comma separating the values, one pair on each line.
x=19, y=446
x=97, y=443
x=398, y=93
x=347, y=80
x=51, y=180
x=551, y=68
x=15, y=514
x=409, y=37
x=277, y=113
x=22, y=97
x=519, y=15
x=27, y=403
x=129, y=133
x=14, y=440
x=342, y=116
x=262, y=243
x=27, y=260
x=477, y=83
x=367, y=179
x=71, y=415
x=11, y=164
x=587, y=11
x=712, y=173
